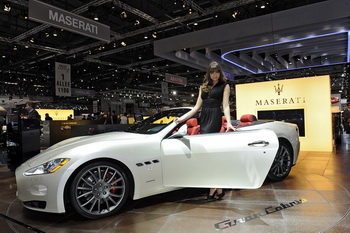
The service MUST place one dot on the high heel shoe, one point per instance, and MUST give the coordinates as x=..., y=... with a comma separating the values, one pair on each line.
x=211, y=197
x=221, y=195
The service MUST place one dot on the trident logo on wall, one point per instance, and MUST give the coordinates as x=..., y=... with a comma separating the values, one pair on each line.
x=278, y=89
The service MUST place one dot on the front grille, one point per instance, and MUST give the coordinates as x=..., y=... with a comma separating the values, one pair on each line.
x=35, y=204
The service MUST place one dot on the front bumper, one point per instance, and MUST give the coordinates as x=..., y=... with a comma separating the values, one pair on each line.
x=40, y=192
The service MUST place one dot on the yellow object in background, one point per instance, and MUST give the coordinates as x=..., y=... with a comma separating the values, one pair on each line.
x=312, y=94
x=56, y=114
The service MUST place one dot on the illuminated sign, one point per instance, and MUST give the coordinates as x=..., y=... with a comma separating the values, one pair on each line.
x=45, y=13
x=285, y=100
x=56, y=114
x=62, y=79
x=172, y=78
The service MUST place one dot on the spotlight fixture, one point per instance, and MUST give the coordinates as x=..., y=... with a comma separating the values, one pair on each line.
x=154, y=35
x=123, y=15
x=234, y=14
x=137, y=22
x=262, y=6
x=95, y=16
x=54, y=33
x=145, y=36
x=123, y=43
x=7, y=7
x=24, y=14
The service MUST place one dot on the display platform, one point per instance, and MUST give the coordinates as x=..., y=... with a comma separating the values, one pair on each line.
x=315, y=197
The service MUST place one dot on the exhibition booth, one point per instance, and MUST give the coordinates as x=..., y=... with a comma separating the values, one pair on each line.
x=303, y=101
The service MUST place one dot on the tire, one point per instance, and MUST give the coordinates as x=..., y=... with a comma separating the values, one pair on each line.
x=282, y=164
x=99, y=190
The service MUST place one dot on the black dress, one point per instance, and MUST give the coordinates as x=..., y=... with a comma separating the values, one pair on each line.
x=211, y=114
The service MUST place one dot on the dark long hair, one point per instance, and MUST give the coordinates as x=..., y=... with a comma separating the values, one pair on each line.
x=207, y=81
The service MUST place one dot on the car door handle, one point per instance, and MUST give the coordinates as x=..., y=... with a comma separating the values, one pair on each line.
x=260, y=143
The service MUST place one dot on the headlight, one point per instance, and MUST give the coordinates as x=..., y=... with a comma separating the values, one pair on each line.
x=47, y=168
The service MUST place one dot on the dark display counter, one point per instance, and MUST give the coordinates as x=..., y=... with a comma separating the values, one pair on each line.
x=23, y=141
x=56, y=131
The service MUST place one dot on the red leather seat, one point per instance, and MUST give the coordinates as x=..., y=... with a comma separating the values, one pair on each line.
x=193, y=127
x=247, y=119
x=223, y=124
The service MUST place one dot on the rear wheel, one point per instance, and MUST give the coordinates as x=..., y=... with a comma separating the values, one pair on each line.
x=100, y=189
x=282, y=164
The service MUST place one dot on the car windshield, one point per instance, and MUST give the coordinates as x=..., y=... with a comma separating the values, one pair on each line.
x=157, y=122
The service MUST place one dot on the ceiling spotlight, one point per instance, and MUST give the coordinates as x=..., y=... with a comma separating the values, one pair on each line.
x=95, y=16
x=262, y=6
x=234, y=14
x=145, y=36
x=32, y=40
x=7, y=7
x=154, y=35
x=24, y=14
x=195, y=23
x=47, y=34
x=123, y=43
x=137, y=22
x=123, y=15
x=54, y=33
x=15, y=47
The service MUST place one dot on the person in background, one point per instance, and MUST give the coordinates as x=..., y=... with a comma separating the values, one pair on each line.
x=123, y=119
x=84, y=118
x=213, y=93
x=47, y=117
x=70, y=118
x=116, y=119
x=108, y=118
x=31, y=112
x=346, y=116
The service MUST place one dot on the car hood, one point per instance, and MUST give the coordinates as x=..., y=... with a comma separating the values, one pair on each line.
x=71, y=143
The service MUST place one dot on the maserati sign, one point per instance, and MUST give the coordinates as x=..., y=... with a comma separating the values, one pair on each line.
x=45, y=13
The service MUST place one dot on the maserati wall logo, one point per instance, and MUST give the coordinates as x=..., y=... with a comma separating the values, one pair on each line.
x=278, y=89
x=280, y=100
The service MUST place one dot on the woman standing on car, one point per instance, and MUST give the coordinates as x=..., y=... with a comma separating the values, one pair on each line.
x=213, y=93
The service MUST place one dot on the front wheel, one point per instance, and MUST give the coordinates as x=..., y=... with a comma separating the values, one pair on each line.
x=282, y=164
x=99, y=190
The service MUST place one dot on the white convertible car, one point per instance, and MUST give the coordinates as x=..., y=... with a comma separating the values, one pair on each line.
x=96, y=174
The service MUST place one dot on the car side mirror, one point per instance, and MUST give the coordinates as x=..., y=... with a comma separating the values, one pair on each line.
x=181, y=132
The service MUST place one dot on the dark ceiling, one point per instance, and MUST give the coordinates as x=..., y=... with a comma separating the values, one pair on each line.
x=126, y=67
